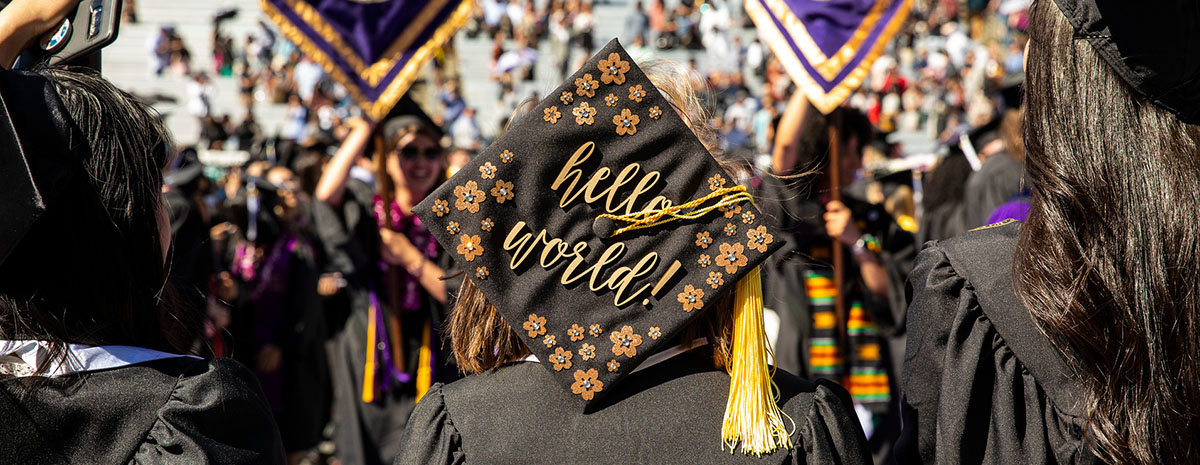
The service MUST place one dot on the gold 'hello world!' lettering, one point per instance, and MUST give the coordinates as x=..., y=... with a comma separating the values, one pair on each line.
x=522, y=241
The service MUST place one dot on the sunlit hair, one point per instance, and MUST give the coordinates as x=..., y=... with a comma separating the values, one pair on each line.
x=482, y=340
x=1108, y=263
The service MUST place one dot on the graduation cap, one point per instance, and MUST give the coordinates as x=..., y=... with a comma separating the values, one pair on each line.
x=38, y=168
x=405, y=114
x=1150, y=44
x=599, y=227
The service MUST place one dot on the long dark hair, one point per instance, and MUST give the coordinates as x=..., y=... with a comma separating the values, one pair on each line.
x=1109, y=262
x=91, y=270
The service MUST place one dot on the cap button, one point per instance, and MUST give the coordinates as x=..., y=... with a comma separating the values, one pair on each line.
x=603, y=227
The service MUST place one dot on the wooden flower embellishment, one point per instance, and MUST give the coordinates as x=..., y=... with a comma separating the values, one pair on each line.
x=626, y=123
x=704, y=261
x=586, y=86
x=503, y=191
x=587, y=351
x=576, y=333
x=636, y=93
x=759, y=239
x=566, y=97
x=535, y=326
x=654, y=333
x=613, y=365
x=453, y=228
x=625, y=342
x=595, y=330
x=610, y=100
x=552, y=115
x=729, y=211
x=584, y=114
x=482, y=272
x=716, y=182
x=691, y=298
x=486, y=224
x=655, y=112
x=441, y=207
x=470, y=247
x=731, y=257
x=561, y=359
x=612, y=70
x=487, y=171
x=730, y=229
x=469, y=197
x=506, y=156
x=715, y=279
x=703, y=240
x=587, y=383
x=549, y=340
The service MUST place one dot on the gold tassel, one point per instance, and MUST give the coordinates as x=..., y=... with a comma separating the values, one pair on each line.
x=752, y=415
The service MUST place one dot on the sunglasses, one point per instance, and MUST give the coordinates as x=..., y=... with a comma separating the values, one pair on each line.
x=411, y=153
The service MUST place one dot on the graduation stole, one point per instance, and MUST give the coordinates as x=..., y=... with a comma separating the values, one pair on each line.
x=375, y=48
x=828, y=46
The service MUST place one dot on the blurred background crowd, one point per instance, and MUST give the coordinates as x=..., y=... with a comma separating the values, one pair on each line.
x=256, y=123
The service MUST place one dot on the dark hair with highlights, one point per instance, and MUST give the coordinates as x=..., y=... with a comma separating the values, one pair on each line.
x=91, y=270
x=1108, y=263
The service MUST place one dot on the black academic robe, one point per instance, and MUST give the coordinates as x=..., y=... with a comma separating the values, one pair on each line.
x=667, y=414
x=174, y=410
x=998, y=181
x=981, y=383
x=368, y=433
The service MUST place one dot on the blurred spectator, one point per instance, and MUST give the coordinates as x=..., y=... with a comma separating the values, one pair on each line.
x=200, y=92
x=465, y=130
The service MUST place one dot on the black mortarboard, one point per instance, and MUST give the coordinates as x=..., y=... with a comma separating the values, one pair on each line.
x=1151, y=44
x=40, y=166
x=599, y=226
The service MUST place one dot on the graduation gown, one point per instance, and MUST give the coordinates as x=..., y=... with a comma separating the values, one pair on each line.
x=670, y=413
x=368, y=432
x=173, y=410
x=981, y=383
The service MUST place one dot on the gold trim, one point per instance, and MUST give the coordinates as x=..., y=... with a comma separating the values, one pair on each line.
x=998, y=224
x=380, y=107
x=312, y=51
x=826, y=102
x=407, y=75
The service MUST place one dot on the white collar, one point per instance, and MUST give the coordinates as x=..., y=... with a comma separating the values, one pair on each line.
x=21, y=358
x=652, y=360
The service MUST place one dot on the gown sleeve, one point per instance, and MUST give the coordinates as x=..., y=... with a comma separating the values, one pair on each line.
x=830, y=432
x=967, y=397
x=430, y=436
x=216, y=414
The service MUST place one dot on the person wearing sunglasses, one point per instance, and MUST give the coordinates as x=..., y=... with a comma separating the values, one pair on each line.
x=387, y=354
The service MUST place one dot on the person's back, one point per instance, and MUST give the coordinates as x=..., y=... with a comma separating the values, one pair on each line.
x=641, y=340
x=169, y=409
x=92, y=331
x=1074, y=336
x=671, y=414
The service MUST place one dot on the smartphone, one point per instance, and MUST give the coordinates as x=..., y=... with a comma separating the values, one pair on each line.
x=77, y=38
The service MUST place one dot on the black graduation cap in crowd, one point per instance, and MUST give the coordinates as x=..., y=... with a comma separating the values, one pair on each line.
x=1151, y=44
x=600, y=226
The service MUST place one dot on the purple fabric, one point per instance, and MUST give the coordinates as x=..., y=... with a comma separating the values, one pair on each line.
x=368, y=29
x=1013, y=210
x=271, y=301
x=831, y=23
x=386, y=373
x=412, y=294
